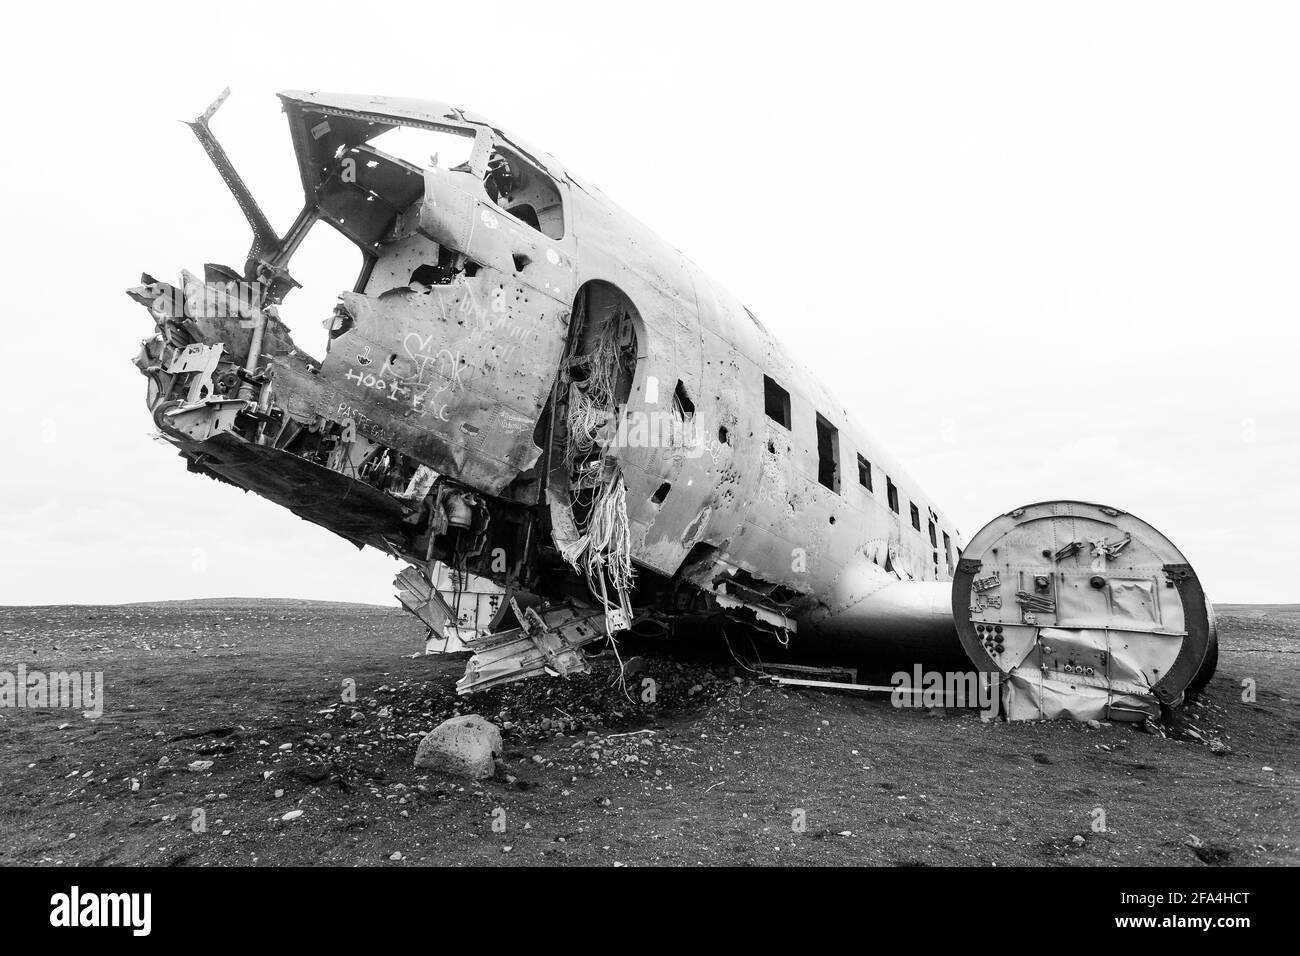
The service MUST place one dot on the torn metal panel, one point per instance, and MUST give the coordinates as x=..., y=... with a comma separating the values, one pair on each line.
x=457, y=607
x=549, y=640
x=417, y=595
x=763, y=612
x=200, y=362
x=1040, y=696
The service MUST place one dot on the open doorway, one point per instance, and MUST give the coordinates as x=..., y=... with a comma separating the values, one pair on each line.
x=585, y=488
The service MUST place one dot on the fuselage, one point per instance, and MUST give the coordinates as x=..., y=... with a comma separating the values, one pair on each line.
x=743, y=474
x=526, y=384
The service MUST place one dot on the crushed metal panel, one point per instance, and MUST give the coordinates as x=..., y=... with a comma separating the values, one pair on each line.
x=1034, y=696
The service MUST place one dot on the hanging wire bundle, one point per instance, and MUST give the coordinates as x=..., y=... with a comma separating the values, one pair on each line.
x=592, y=399
x=598, y=496
x=609, y=545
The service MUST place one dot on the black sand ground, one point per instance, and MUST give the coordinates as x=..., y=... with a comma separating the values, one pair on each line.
x=712, y=772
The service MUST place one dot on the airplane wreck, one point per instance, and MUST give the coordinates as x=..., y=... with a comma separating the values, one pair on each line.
x=566, y=431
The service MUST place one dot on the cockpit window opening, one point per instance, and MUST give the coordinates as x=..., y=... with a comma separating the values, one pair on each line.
x=524, y=191
x=324, y=256
x=425, y=147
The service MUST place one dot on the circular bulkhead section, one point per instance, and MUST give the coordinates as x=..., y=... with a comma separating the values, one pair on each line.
x=1083, y=611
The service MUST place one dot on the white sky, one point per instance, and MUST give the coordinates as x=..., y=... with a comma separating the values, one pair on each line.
x=1042, y=250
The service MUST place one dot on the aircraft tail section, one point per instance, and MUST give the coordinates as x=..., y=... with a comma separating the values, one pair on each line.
x=1084, y=611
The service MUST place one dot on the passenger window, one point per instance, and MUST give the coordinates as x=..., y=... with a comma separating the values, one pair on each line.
x=916, y=515
x=892, y=493
x=525, y=192
x=864, y=473
x=682, y=404
x=828, y=454
x=947, y=551
x=776, y=402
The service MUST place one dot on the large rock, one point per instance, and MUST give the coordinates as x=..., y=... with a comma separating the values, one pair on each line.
x=465, y=746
